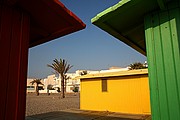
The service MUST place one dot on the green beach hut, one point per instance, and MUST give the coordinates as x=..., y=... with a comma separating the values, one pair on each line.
x=151, y=27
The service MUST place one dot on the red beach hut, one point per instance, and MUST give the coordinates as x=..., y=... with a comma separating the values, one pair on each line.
x=24, y=24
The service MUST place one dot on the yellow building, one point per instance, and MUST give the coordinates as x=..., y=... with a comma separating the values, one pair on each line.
x=125, y=92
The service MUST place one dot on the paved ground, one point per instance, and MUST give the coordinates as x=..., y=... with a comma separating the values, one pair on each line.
x=76, y=114
x=44, y=107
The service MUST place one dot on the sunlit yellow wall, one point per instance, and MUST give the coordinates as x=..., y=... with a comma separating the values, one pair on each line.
x=128, y=94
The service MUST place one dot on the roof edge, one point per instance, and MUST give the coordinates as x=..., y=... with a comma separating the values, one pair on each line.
x=114, y=7
x=115, y=74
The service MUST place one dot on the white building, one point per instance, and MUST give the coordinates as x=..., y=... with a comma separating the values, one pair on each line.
x=53, y=82
x=72, y=82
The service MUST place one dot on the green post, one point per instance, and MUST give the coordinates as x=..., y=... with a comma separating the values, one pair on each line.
x=162, y=31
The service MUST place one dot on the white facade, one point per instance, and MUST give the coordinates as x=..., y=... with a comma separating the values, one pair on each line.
x=71, y=82
x=51, y=80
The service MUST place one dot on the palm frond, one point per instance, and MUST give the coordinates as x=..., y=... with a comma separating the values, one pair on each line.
x=37, y=81
x=60, y=66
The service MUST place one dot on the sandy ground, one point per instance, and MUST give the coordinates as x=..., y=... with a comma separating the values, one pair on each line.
x=44, y=107
x=44, y=103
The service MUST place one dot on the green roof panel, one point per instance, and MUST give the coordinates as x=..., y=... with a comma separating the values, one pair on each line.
x=125, y=21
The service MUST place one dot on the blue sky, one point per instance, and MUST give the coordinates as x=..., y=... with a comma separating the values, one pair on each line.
x=89, y=49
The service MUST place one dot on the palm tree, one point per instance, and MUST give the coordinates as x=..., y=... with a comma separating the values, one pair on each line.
x=61, y=67
x=137, y=65
x=37, y=82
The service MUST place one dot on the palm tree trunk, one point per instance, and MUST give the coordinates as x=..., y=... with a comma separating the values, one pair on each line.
x=37, y=90
x=65, y=85
x=62, y=86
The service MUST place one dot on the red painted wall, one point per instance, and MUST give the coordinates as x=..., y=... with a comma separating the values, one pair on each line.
x=14, y=38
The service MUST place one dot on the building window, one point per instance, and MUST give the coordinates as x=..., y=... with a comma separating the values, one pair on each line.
x=104, y=85
x=30, y=87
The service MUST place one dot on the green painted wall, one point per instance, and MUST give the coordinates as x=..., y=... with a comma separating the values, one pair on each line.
x=162, y=31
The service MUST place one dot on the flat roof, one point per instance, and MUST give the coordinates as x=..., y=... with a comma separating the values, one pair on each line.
x=50, y=19
x=125, y=21
x=115, y=74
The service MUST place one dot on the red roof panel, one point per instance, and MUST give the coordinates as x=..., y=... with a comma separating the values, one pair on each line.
x=50, y=19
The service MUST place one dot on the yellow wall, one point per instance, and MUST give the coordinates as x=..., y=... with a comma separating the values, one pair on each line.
x=128, y=94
